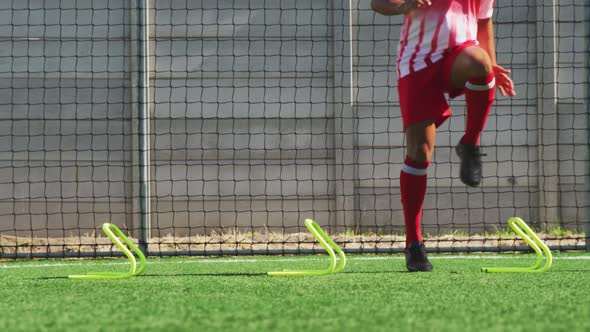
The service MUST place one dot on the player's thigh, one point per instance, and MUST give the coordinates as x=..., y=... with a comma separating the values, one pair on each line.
x=422, y=97
x=470, y=62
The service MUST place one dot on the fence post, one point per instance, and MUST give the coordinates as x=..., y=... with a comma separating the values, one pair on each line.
x=588, y=142
x=144, y=126
x=588, y=151
x=344, y=122
x=547, y=121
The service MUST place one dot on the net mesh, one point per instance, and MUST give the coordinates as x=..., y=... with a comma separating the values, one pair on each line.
x=267, y=112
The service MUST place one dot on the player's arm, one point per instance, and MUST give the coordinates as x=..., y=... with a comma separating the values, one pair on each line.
x=397, y=7
x=485, y=37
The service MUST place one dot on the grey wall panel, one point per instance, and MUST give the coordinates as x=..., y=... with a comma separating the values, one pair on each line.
x=228, y=216
x=63, y=180
x=242, y=138
x=231, y=57
x=253, y=178
x=38, y=58
x=511, y=11
x=573, y=196
x=51, y=218
x=306, y=97
x=64, y=19
x=377, y=85
x=212, y=18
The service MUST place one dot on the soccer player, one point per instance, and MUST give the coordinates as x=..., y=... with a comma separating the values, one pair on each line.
x=446, y=46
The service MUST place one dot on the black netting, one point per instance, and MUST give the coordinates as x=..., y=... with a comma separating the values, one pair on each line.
x=265, y=112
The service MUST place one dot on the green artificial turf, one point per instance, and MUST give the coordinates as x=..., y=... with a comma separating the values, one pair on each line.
x=374, y=293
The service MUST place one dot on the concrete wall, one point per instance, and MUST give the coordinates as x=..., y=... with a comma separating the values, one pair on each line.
x=252, y=125
x=65, y=139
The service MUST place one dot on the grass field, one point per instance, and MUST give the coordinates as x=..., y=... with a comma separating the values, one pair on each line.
x=234, y=294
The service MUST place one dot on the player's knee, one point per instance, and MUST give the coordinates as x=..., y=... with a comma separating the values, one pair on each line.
x=480, y=65
x=421, y=152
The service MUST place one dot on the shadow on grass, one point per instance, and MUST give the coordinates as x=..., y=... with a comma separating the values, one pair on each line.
x=222, y=274
x=228, y=274
x=374, y=272
x=264, y=274
x=49, y=278
x=261, y=274
x=169, y=275
x=252, y=274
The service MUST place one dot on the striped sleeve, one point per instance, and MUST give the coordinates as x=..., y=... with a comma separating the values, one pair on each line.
x=486, y=9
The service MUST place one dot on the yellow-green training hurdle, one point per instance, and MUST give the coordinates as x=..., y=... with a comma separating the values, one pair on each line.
x=115, y=234
x=529, y=236
x=328, y=244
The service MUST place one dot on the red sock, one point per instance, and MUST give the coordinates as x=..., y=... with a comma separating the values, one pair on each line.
x=413, y=188
x=479, y=95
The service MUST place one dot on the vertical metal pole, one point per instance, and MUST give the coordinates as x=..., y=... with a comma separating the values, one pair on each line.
x=341, y=22
x=588, y=162
x=588, y=177
x=351, y=50
x=548, y=121
x=588, y=144
x=144, y=127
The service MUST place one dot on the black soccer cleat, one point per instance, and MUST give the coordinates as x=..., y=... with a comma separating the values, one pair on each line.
x=416, y=258
x=470, y=163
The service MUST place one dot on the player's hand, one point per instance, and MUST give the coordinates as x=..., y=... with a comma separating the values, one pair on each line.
x=503, y=81
x=396, y=7
x=409, y=5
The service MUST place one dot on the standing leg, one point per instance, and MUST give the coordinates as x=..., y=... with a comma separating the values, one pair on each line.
x=420, y=138
x=472, y=70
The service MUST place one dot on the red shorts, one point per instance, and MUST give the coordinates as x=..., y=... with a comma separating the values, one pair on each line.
x=422, y=93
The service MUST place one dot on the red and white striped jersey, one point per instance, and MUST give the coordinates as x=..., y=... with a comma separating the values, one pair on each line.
x=428, y=32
